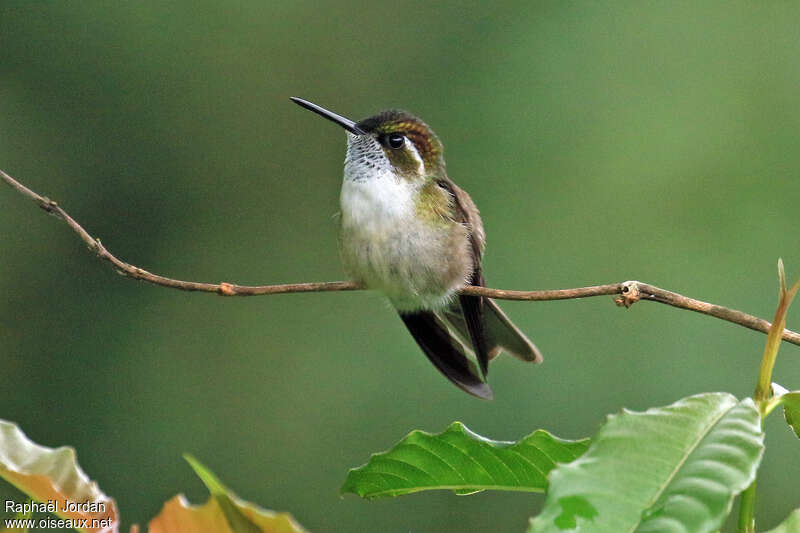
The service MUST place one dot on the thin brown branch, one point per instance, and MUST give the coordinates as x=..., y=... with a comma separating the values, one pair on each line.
x=627, y=293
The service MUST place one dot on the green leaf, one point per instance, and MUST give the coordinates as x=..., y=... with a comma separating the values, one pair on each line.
x=224, y=512
x=790, y=525
x=675, y=468
x=791, y=406
x=791, y=410
x=462, y=461
x=212, y=483
x=236, y=520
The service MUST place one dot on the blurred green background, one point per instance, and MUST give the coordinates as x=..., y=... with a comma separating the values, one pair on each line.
x=602, y=142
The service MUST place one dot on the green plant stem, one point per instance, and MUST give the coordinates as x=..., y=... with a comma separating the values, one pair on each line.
x=763, y=393
x=747, y=502
x=747, y=508
x=763, y=387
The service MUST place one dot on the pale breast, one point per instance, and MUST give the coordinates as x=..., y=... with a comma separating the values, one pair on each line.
x=388, y=248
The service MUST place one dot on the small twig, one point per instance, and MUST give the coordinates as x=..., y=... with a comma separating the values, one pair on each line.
x=628, y=292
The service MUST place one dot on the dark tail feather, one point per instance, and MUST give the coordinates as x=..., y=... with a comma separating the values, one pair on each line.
x=472, y=309
x=501, y=333
x=445, y=352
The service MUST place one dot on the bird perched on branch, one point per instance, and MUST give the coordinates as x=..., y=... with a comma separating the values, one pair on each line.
x=408, y=231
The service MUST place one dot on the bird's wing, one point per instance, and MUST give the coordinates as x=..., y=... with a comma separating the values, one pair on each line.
x=465, y=212
x=477, y=316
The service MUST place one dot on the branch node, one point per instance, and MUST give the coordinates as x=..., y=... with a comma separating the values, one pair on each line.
x=226, y=289
x=630, y=294
x=48, y=205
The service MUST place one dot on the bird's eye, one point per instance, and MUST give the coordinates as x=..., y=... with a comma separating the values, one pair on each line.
x=395, y=140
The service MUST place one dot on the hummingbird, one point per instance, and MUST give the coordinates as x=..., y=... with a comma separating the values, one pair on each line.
x=408, y=231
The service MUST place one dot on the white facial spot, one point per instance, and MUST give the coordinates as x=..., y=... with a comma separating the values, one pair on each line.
x=413, y=149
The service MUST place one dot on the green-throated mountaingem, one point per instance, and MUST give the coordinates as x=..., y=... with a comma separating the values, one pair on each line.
x=408, y=231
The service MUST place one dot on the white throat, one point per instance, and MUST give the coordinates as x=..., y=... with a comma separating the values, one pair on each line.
x=384, y=243
x=373, y=195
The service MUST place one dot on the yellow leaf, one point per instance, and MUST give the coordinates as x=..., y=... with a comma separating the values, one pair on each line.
x=52, y=477
x=178, y=516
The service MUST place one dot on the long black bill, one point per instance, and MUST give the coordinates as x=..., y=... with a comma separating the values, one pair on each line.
x=346, y=123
